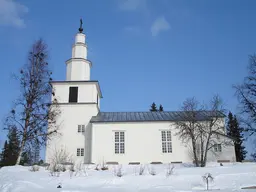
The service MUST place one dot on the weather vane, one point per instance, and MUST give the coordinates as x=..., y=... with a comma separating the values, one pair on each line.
x=81, y=27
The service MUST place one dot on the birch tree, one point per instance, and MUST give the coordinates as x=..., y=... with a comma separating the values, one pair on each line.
x=33, y=113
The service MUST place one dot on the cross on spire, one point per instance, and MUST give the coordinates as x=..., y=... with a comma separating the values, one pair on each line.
x=81, y=27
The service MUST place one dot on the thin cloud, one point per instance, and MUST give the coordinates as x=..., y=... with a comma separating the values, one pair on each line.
x=132, y=30
x=132, y=5
x=159, y=25
x=11, y=13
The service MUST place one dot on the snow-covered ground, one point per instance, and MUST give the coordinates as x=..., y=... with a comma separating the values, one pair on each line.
x=230, y=177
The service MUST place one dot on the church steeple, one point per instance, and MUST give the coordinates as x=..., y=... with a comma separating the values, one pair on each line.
x=78, y=67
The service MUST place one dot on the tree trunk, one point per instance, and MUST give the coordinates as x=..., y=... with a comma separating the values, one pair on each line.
x=194, y=152
x=202, y=152
x=24, y=137
x=20, y=151
x=206, y=150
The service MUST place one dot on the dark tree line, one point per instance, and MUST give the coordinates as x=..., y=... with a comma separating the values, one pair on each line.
x=235, y=131
x=11, y=150
x=153, y=108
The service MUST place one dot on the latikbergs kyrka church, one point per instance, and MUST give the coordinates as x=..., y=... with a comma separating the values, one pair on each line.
x=92, y=136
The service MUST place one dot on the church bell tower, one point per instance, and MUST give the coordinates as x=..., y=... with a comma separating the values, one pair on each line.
x=79, y=100
x=78, y=67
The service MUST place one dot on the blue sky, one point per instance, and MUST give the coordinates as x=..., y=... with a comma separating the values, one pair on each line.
x=142, y=50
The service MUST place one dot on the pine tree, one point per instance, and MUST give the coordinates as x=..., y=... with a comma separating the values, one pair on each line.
x=4, y=155
x=153, y=107
x=25, y=159
x=161, y=108
x=236, y=132
x=253, y=155
x=230, y=126
x=13, y=146
x=240, y=149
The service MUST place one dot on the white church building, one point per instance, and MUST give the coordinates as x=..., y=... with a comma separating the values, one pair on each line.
x=92, y=136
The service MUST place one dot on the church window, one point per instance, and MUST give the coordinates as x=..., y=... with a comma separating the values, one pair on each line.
x=73, y=93
x=166, y=141
x=217, y=147
x=81, y=128
x=119, y=142
x=80, y=152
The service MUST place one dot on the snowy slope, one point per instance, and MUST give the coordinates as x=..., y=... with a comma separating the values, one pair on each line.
x=230, y=177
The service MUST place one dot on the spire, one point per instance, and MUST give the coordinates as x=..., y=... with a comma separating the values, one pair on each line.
x=81, y=27
x=78, y=67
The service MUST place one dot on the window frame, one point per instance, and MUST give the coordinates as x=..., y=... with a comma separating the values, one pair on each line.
x=166, y=141
x=80, y=152
x=119, y=142
x=80, y=128
x=73, y=95
x=217, y=148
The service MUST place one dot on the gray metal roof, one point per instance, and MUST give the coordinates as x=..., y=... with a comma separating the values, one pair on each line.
x=152, y=116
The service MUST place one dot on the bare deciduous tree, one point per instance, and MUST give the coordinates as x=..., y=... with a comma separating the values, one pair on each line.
x=202, y=126
x=246, y=93
x=33, y=113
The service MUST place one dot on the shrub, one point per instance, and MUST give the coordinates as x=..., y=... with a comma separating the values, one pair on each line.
x=152, y=170
x=71, y=170
x=34, y=168
x=55, y=170
x=118, y=172
x=104, y=166
x=97, y=168
x=81, y=169
x=208, y=178
x=169, y=170
x=142, y=169
x=45, y=164
x=63, y=168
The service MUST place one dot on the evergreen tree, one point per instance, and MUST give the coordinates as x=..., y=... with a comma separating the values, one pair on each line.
x=153, y=107
x=4, y=155
x=230, y=126
x=236, y=132
x=25, y=158
x=13, y=146
x=253, y=155
x=161, y=108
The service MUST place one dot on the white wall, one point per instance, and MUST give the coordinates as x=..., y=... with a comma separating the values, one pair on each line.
x=79, y=51
x=78, y=69
x=69, y=138
x=73, y=115
x=227, y=151
x=142, y=144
